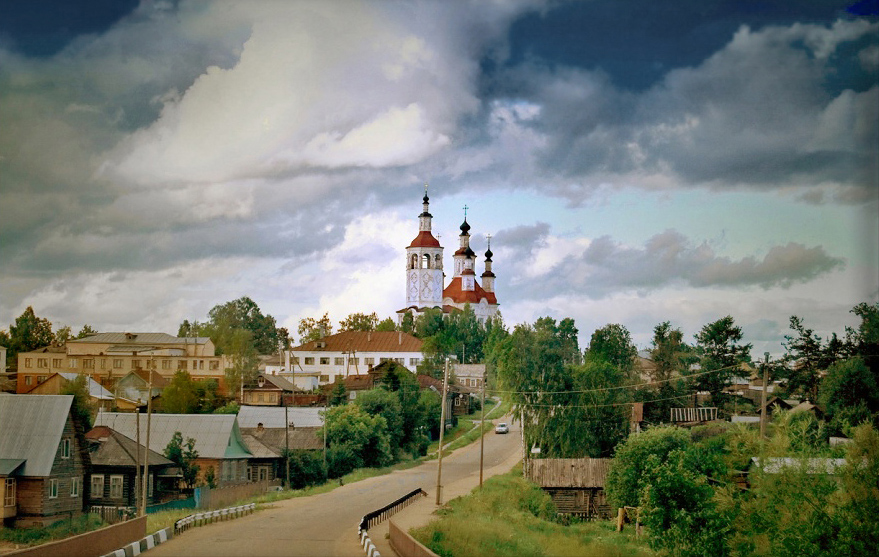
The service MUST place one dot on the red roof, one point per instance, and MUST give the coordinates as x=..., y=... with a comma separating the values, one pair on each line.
x=459, y=296
x=425, y=240
x=361, y=341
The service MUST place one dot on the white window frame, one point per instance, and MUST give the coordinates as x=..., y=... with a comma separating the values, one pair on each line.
x=53, y=489
x=121, y=484
x=75, y=487
x=99, y=492
x=65, y=447
x=9, y=493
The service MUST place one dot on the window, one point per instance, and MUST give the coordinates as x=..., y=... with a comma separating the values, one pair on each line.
x=339, y=361
x=53, y=489
x=65, y=448
x=324, y=361
x=273, y=397
x=181, y=364
x=75, y=486
x=135, y=364
x=27, y=362
x=28, y=379
x=40, y=378
x=201, y=364
x=215, y=365
x=88, y=363
x=324, y=378
x=166, y=364
x=151, y=364
x=355, y=361
x=369, y=361
x=117, y=363
x=383, y=360
x=309, y=361
x=259, y=397
x=400, y=361
x=115, y=487
x=9, y=494
x=98, y=486
x=42, y=363
x=103, y=363
x=56, y=362
x=71, y=363
x=414, y=361
x=150, y=479
x=250, y=473
x=457, y=401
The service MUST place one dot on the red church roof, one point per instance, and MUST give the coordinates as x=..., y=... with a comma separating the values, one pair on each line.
x=425, y=240
x=460, y=296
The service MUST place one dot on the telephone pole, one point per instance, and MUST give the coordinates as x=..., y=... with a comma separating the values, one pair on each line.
x=439, y=469
x=763, y=397
x=482, y=429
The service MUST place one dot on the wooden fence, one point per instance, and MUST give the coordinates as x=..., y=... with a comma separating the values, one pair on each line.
x=693, y=414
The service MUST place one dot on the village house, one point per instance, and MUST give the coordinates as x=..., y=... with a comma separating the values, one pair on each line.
x=98, y=395
x=113, y=478
x=470, y=375
x=139, y=385
x=217, y=437
x=576, y=485
x=319, y=362
x=264, y=428
x=43, y=460
x=269, y=390
x=108, y=356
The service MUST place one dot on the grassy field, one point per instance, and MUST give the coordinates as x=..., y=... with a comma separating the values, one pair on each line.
x=512, y=517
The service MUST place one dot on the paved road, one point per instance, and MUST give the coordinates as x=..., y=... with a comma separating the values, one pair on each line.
x=326, y=524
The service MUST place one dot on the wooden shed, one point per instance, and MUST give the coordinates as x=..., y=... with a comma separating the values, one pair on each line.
x=575, y=484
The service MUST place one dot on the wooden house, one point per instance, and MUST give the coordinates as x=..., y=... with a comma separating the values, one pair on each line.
x=217, y=437
x=576, y=485
x=43, y=460
x=268, y=444
x=135, y=386
x=269, y=390
x=113, y=477
x=55, y=383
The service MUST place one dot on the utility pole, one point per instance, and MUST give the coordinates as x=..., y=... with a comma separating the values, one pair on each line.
x=439, y=469
x=146, y=460
x=763, y=397
x=482, y=429
x=137, y=468
x=286, y=438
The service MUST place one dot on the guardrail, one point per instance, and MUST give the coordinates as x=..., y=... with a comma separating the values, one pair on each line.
x=373, y=518
x=207, y=517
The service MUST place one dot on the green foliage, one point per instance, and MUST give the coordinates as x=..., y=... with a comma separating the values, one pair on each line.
x=849, y=394
x=183, y=455
x=306, y=468
x=457, y=334
x=210, y=477
x=207, y=392
x=230, y=408
x=387, y=325
x=339, y=394
x=62, y=335
x=83, y=408
x=86, y=331
x=29, y=332
x=59, y=530
x=380, y=402
x=180, y=396
x=613, y=344
x=628, y=474
x=313, y=329
x=807, y=358
x=671, y=358
x=720, y=351
x=360, y=322
x=365, y=436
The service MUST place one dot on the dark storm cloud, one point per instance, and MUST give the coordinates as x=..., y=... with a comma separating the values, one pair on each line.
x=669, y=259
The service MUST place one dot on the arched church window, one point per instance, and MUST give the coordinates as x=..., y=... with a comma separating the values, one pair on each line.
x=414, y=263
x=427, y=261
x=438, y=262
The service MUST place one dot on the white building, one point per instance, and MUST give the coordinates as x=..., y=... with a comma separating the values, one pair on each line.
x=425, y=279
x=349, y=353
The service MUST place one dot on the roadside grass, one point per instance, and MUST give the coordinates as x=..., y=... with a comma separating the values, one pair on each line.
x=511, y=517
x=57, y=531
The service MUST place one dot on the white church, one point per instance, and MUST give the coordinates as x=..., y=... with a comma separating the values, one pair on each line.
x=425, y=278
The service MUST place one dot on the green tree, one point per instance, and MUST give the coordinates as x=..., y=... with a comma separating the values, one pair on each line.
x=62, y=335
x=207, y=393
x=244, y=361
x=181, y=395
x=807, y=359
x=359, y=322
x=183, y=455
x=313, y=329
x=407, y=324
x=339, y=394
x=629, y=471
x=352, y=431
x=82, y=408
x=387, y=325
x=86, y=331
x=849, y=394
x=384, y=403
x=721, y=354
x=306, y=468
x=670, y=359
x=613, y=343
x=29, y=332
x=244, y=313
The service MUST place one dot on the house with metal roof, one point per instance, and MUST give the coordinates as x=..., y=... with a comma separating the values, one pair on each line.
x=276, y=417
x=113, y=476
x=99, y=396
x=43, y=460
x=217, y=438
x=269, y=390
x=319, y=362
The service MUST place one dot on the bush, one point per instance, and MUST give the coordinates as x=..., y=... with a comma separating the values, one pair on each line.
x=306, y=468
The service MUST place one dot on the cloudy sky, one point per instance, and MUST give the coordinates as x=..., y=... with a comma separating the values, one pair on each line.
x=634, y=162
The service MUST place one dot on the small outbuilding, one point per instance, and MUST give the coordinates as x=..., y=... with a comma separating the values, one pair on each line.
x=576, y=485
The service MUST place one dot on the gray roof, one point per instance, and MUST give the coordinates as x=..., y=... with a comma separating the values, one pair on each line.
x=118, y=450
x=138, y=338
x=216, y=435
x=32, y=429
x=273, y=416
x=776, y=465
x=96, y=390
x=270, y=442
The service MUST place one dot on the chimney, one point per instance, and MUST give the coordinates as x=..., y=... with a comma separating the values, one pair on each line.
x=368, y=336
x=400, y=338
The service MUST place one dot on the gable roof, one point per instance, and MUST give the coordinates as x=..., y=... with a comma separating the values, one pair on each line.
x=274, y=380
x=270, y=442
x=32, y=429
x=456, y=292
x=216, y=435
x=143, y=375
x=96, y=390
x=363, y=341
x=273, y=416
x=116, y=449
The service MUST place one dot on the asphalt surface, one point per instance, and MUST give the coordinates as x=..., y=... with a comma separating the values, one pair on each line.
x=326, y=524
